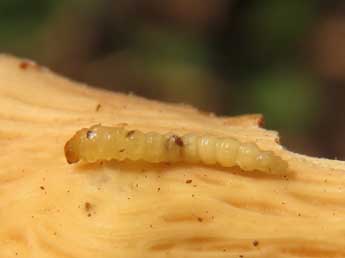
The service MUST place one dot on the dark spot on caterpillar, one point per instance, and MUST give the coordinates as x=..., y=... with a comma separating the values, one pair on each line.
x=130, y=133
x=122, y=150
x=255, y=243
x=90, y=134
x=42, y=187
x=200, y=219
x=178, y=140
x=189, y=181
x=98, y=107
x=158, y=189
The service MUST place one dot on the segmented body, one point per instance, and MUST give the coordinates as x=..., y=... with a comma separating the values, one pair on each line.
x=106, y=143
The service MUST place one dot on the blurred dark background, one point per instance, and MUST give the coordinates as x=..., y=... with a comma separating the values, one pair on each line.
x=285, y=59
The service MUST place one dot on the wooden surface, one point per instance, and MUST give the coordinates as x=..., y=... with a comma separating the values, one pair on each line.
x=49, y=208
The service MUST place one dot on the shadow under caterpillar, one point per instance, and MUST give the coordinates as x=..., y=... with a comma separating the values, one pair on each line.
x=106, y=143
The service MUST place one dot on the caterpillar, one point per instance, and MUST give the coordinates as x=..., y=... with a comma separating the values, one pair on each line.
x=105, y=143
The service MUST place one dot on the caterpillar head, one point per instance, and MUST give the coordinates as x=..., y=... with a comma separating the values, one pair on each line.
x=72, y=146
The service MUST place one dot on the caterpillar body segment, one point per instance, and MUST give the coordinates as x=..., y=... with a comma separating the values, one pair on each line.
x=106, y=143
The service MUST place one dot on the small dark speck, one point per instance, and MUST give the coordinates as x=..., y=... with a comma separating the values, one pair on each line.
x=122, y=150
x=24, y=65
x=42, y=187
x=158, y=189
x=200, y=219
x=150, y=226
x=16, y=253
x=90, y=134
x=89, y=215
x=178, y=140
x=130, y=133
x=87, y=206
x=98, y=107
x=299, y=214
x=255, y=243
x=192, y=195
x=189, y=181
x=241, y=256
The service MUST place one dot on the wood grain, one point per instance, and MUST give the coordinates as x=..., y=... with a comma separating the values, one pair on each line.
x=49, y=208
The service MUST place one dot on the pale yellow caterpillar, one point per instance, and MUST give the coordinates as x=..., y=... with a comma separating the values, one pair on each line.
x=106, y=143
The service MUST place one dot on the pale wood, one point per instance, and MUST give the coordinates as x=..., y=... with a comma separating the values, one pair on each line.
x=49, y=208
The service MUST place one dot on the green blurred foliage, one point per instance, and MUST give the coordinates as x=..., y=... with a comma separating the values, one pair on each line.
x=20, y=22
x=276, y=26
x=289, y=98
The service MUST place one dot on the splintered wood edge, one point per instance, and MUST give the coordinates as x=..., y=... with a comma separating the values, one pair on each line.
x=245, y=120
